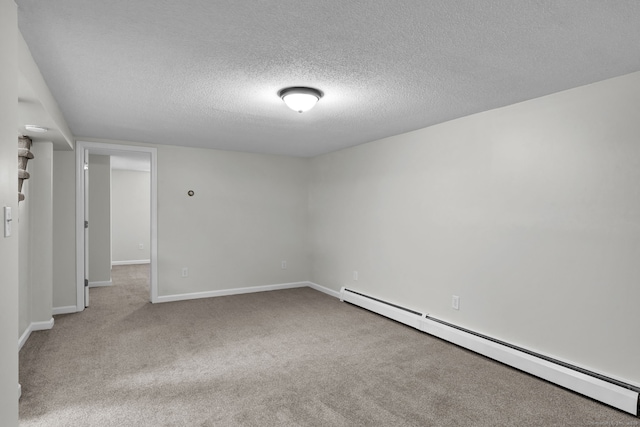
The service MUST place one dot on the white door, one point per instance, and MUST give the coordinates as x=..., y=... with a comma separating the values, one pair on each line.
x=86, y=227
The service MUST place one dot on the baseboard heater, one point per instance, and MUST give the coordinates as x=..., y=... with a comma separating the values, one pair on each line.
x=618, y=394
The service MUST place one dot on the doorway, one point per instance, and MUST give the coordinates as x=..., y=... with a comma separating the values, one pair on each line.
x=83, y=229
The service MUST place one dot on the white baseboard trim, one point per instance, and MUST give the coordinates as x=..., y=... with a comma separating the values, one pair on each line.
x=131, y=262
x=324, y=290
x=99, y=284
x=42, y=326
x=24, y=337
x=577, y=379
x=64, y=310
x=226, y=292
x=34, y=326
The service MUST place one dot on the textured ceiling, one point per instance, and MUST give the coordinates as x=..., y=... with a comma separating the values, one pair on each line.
x=206, y=73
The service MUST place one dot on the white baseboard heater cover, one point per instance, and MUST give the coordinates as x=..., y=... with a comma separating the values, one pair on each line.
x=615, y=393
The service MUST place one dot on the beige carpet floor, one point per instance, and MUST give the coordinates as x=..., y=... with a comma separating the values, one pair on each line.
x=282, y=358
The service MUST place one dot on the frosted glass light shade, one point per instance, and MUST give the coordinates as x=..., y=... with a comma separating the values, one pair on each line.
x=300, y=99
x=300, y=102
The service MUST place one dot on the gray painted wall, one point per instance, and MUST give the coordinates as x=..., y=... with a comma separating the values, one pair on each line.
x=36, y=239
x=248, y=214
x=22, y=222
x=529, y=213
x=99, y=219
x=8, y=197
x=64, y=231
x=41, y=253
x=130, y=213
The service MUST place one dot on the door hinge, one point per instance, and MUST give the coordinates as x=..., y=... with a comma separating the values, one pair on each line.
x=86, y=224
x=86, y=282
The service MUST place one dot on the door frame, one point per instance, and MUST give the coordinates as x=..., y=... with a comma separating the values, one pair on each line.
x=85, y=229
x=109, y=149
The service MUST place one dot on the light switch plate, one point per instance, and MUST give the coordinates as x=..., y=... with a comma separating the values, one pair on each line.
x=7, y=221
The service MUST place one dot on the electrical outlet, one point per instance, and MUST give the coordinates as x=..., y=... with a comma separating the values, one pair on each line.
x=185, y=272
x=455, y=302
x=284, y=265
x=355, y=275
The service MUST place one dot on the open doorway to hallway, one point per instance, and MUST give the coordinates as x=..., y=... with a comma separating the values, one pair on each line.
x=130, y=213
x=119, y=211
x=116, y=214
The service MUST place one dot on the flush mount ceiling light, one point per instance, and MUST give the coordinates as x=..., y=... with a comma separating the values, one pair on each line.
x=300, y=99
x=35, y=128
